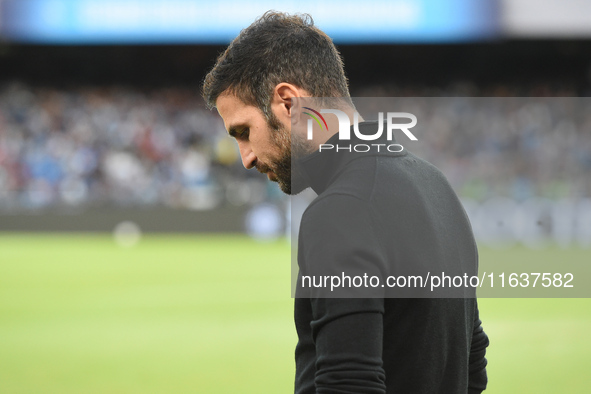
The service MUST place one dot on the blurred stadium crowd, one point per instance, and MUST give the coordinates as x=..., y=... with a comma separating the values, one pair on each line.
x=96, y=146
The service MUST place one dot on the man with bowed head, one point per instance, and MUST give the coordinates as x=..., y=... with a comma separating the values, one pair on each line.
x=375, y=210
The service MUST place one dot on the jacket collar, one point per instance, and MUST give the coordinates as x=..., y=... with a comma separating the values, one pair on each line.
x=321, y=168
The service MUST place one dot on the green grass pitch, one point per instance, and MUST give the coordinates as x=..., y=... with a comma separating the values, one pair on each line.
x=213, y=314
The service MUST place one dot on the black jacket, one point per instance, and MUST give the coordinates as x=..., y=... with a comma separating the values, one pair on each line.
x=384, y=213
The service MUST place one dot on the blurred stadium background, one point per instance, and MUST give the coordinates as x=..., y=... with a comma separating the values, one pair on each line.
x=137, y=254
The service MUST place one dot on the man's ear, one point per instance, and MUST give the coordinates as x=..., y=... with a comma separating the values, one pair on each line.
x=284, y=103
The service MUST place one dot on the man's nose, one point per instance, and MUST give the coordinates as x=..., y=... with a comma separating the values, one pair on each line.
x=247, y=155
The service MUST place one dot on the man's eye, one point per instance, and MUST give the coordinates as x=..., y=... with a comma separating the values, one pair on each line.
x=244, y=133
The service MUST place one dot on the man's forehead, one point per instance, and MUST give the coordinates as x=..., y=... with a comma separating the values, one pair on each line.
x=233, y=110
x=230, y=103
x=228, y=109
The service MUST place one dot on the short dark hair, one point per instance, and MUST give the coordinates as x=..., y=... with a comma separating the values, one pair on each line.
x=277, y=48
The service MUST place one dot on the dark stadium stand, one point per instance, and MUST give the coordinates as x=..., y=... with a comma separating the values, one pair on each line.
x=89, y=127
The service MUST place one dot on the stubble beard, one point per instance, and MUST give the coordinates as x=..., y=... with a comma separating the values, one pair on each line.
x=289, y=177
